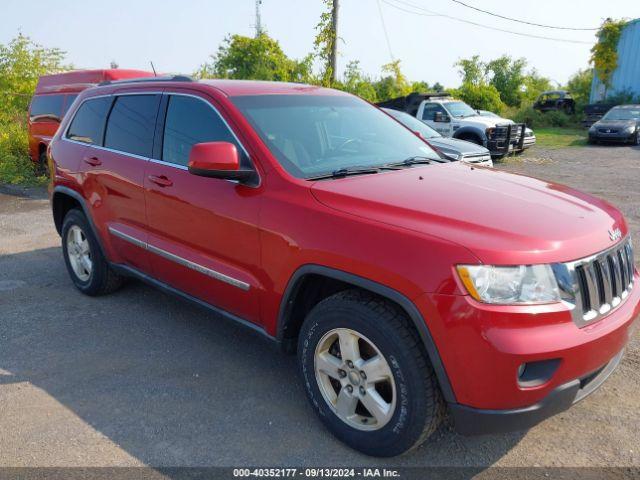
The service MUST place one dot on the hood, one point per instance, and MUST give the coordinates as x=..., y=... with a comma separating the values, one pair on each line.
x=502, y=218
x=618, y=124
x=480, y=121
x=453, y=145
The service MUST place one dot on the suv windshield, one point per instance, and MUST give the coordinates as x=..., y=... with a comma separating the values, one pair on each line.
x=313, y=135
x=623, y=114
x=460, y=109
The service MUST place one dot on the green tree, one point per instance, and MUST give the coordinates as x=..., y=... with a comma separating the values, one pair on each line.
x=481, y=97
x=580, y=85
x=259, y=58
x=357, y=83
x=472, y=70
x=604, y=54
x=507, y=75
x=22, y=62
x=394, y=84
x=533, y=84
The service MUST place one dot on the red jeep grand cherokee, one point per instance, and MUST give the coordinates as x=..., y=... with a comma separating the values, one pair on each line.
x=408, y=285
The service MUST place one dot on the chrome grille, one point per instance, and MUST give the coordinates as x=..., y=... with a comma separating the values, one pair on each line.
x=594, y=286
x=476, y=158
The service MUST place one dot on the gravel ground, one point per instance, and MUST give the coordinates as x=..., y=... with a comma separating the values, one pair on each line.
x=141, y=378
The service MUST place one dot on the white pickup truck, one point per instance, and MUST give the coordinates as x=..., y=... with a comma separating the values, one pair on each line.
x=454, y=118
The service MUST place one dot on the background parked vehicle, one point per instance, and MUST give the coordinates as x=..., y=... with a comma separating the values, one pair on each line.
x=54, y=95
x=621, y=124
x=451, y=148
x=558, y=100
x=529, y=136
x=594, y=112
x=454, y=118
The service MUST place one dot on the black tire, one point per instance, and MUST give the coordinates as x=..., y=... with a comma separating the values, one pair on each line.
x=419, y=406
x=42, y=168
x=102, y=279
x=636, y=140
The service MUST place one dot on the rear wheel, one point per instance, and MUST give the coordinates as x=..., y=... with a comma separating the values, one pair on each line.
x=87, y=267
x=42, y=168
x=367, y=375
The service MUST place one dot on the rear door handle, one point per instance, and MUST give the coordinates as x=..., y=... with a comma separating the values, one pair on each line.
x=161, y=181
x=93, y=161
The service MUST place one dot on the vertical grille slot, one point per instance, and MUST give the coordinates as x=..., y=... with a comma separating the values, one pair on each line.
x=582, y=281
x=612, y=272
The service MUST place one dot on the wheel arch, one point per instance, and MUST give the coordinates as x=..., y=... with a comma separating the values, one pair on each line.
x=290, y=316
x=64, y=199
x=470, y=132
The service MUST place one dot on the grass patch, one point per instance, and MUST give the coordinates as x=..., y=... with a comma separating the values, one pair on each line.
x=16, y=168
x=556, y=137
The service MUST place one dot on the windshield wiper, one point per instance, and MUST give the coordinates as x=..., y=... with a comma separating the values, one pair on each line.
x=417, y=160
x=345, y=172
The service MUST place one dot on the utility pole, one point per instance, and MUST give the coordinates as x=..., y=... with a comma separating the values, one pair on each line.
x=334, y=42
x=258, y=21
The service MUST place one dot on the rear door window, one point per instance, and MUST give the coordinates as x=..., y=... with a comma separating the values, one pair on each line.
x=88, y=124
x=131, y=124
x=46, y=107
x=190, y=121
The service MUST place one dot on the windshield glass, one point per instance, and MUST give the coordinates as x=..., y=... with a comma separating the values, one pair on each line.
x=312, y=135
x=412, y=123
x=460, y=109
x=623, y=114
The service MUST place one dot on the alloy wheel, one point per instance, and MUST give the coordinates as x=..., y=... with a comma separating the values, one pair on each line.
x=355, y=379
x=79, y=253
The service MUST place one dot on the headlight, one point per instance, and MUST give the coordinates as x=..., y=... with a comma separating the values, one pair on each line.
x=526, y=284
x=631, y=128
x=453, y=156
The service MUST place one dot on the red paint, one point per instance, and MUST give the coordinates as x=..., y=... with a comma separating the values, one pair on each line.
x=404, y=229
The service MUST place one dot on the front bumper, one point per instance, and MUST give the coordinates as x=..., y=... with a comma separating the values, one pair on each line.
x=474, y=421
x=612, y=137
x=482, y=348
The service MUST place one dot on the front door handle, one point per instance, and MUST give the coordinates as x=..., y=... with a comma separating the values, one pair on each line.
x=93, y=161
x=161, y=180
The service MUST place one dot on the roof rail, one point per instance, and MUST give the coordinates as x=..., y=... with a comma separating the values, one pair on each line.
x=169, y=78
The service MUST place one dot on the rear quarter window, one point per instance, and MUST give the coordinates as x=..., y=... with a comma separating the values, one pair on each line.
x=87, y=125
x=46, y=107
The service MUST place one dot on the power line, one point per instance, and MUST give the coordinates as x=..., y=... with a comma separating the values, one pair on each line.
x=384, y=29
x=520, y=21
x=430, y=13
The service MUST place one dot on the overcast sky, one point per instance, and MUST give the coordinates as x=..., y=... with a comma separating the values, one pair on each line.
x=179, y=36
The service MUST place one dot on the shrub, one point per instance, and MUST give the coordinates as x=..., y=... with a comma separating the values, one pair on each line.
x=536, y=119
x=15, y=165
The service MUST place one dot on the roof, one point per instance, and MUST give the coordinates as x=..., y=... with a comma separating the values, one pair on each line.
x=234, y=88
x=76, y=80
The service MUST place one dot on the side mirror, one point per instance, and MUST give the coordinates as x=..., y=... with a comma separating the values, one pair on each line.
x=218, y=160
x=440, y=117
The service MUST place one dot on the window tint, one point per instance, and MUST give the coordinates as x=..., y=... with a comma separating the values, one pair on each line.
x=430, y=109
x=88, y=124
x=69, y=101
x=190, y=121
x=46, y=107
x=131, y=124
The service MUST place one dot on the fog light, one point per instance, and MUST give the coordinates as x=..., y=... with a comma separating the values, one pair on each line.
x=534, y=374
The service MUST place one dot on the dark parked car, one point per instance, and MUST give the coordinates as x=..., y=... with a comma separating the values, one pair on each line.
x=620, y=124
x=451, y=148
x=555, y=100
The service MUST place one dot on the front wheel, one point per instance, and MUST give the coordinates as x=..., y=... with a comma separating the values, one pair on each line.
x=367, y=375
